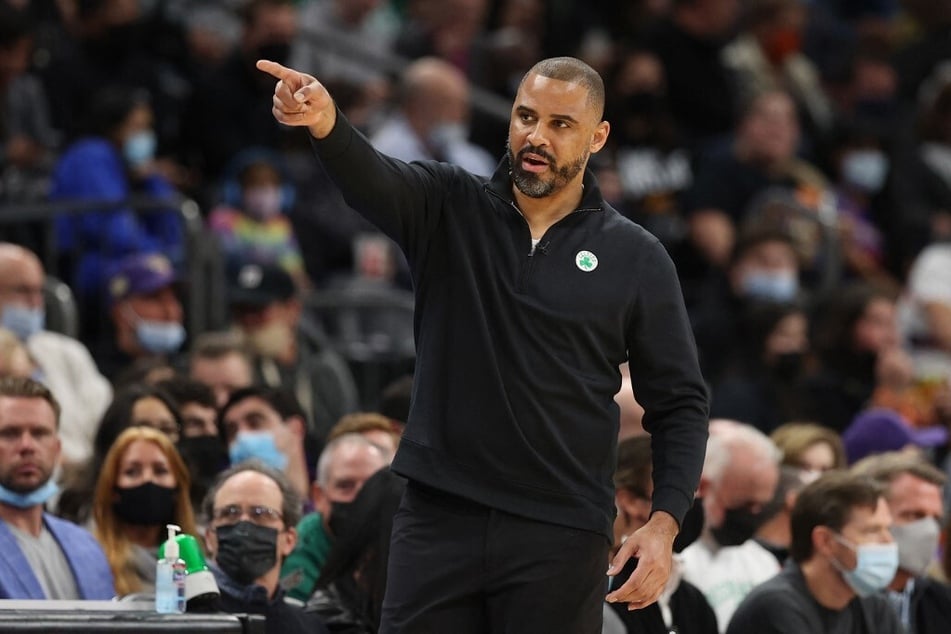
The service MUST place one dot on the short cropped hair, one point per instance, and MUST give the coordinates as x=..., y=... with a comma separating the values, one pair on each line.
x=573, y=70
x=291, y=501
x=884, y=468
x=22, y=387
x=830, y=502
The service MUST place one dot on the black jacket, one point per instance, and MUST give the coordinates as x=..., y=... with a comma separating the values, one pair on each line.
x=518, y=353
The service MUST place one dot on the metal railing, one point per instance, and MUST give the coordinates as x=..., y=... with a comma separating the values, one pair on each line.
x=202, y=269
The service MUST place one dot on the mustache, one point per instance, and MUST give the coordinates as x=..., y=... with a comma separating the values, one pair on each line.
x=536, y=150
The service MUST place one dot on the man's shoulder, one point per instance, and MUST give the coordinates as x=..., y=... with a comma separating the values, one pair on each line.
x=65, y=529
x=49, y=341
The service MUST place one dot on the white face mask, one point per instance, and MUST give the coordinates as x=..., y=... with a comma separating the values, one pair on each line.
x=263, y=202
x=917, y=544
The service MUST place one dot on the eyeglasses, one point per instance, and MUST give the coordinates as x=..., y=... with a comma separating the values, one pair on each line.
x=257, y=514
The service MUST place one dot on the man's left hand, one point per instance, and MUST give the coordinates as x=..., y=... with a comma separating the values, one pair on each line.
x=652, y=545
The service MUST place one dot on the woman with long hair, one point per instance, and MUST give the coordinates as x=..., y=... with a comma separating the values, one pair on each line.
x=143, y=485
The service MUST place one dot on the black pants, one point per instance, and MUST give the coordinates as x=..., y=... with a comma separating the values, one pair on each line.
x=457, y=567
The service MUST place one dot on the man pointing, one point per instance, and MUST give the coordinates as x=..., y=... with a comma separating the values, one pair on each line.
x=530, y=292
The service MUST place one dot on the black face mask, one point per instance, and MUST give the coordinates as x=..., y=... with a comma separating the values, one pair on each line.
x=246, y=551
x=787, y=365
x=205, y=456
x=146, y=505
x=691, y=527
x=738, y=526
x=340, y=520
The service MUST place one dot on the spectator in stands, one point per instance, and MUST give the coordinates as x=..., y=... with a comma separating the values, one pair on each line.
x=775, y=534
x=913, y=490
x=809, y=447
x=230, y=107
x=137, y=405
x=842, y=555
x=653, y=162
x=681, y=607
x=925, y=312
x=448, y=29
x=114, y=161
x=200, y=443
x=253, y=510
x=42, y=557
x=854, y=327
x=27, y=138
x=269, y=425
x=432, y=121
x=250, y=221
x=350, y=589
x=221, y=361
x=859, y=164
x=740, y=474
x=875, y=431
x=689, y=43
x=142, y=487
x=63, y=364
x=290, y=349
x=768, y=56
x=344, y=466
x=763, y=269
x=762, y=156
x=921, y=183
x=347, y=43
x=376, y=428
x=145, y=312
x=762, y=379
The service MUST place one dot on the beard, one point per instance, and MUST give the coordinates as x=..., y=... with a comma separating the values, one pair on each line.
x=9, y=482
x=534, y=185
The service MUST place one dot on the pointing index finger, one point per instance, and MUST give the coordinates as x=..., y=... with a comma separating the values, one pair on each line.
x=275, y=70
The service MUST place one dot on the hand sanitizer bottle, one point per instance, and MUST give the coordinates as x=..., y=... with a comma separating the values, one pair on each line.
x=170, y=577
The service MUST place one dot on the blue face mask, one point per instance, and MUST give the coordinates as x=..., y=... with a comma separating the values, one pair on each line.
x=22, y=321
x=31, y=499
x=875, y=568
x=865, y=169
x=160, y=337
x=139, y=148
x=257, y=444
x=774, y=286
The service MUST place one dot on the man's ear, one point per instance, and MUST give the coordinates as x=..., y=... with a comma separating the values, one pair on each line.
x=295, y=424
x=286, y=541
x=600, y=137
x=823, y=540
x=317, y=496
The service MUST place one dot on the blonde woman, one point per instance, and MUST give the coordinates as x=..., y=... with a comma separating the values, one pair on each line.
x=810, y=447
x=142, y=487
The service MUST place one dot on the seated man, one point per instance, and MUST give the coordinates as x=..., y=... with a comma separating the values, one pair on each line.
x=290, y=350
x=344, y=465
x=842, y=556
x=253, y=511
x=913, y=491
x=41, y=556
x=739, y=478
x=145, y=311
x=267, y=424
x=62, y=363
x=221, y=361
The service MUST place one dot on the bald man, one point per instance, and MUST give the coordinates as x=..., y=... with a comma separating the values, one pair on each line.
x=432, y=121
x=63, y=364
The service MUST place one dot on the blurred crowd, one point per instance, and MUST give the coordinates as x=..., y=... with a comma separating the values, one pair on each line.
x=794, y=157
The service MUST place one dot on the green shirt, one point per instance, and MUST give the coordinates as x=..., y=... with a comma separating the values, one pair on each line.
x=302, y=567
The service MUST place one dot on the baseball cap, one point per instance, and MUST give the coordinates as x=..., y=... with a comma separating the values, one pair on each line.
x=139, y=274
x=254, y=284
x=879, y=430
